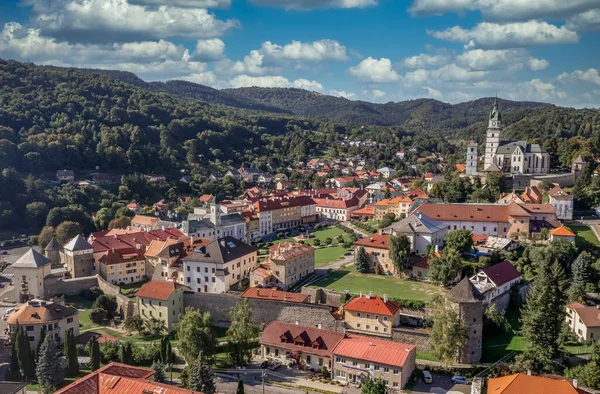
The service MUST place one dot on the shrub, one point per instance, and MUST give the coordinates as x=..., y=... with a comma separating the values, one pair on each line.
x=145, y=355
x=317, y=242
x=328, y=241
x=92, y=293
x=108, y=352
x=98, y=315
x=347, y=245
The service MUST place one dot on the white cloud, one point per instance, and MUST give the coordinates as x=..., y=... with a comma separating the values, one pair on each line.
x=212, y=49
x=185, y=3
x=342, y=93
x=317, y=51
x=119, y=21
x=500, y=59
x=155, y=60
x=307, y=85
x=448, y=73
x=205, y=78
x=312, y=4
x=252, y=64
x=509, y=35
x=424, y=60
x=274, y=81
x=585, y=21
x=591, y=75
x=374, y=70
x=433, y=93
x=505, y=9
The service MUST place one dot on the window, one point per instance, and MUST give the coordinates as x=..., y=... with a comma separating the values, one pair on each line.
x=395, y=385
x=384, y=329
x=396, y=371
x=368, y=316
x=213, y=279
x=276, y=352
x=197, y=269
x=308, y=359
x=206, y=269
x=386, y=370
x=69, y=320
x=385, y=318
x=357, y=325
x=354, y=363
x=376, y=328
x=189, y=279
x=358, y=314
x=188, y=268
x=368, y=327
x=29, y=328
x=376, y=367
x=386, y=383
x=31, y=339
x=198, y=280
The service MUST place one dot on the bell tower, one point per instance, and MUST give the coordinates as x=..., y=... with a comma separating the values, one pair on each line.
x=493, y=135
x=471, y=158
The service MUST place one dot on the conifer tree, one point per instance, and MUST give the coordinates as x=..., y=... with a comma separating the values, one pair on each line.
x=13, y=373
x=126, y=353
x=70, y=352
x=240, y=387
x=201, y=378
x=41, y=341
x=159, y=368
x=362, y=261
x=49, y=372
x=94, y=354
x=24, y=355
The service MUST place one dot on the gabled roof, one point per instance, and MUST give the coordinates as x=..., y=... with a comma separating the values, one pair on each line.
x=379, y=241
x=465, y=292
x=562, y=231
x=78, y=243
x=375, y=350
x=53, y=246
x=221, y=251
x=590, y=315
x=417, y=223
x=303, y=339
x=526, y=384
x=274, y=295
x=40, y=312
x=284, y=251
x=158, y=290
x=12, y=387
x=466, y=212
x=31, y=259
x=373, y=304
x=502, y=273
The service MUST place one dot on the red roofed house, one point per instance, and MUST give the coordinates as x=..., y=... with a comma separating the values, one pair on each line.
x=372, y=315
x=562, y=233
x=340, y=208
x=376, y=246
x=116, y=378
x=584, y=321
x=162, y=300
x=494, y=281
x=356, y=357
x=273, y=294
x=308, y=346
x=461, y=167
x=366, y=213
x=521, y=383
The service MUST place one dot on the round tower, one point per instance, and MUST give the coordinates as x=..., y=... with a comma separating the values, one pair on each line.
x=468, y=301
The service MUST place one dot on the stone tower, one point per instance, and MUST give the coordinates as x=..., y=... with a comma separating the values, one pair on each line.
x=471, y=158
x=578, y=166
x=493, y=135
x=215, y=214
x=52, y=252
x=469, y=304
x=78, y=256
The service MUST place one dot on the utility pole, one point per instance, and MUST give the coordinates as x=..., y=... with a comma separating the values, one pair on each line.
x=263, y=381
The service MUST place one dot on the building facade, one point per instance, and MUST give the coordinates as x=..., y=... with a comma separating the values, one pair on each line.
x=471, y=167
x=78, y=256
x=377, y=249
x=372, y=315
x=562, y=201
x=162, y=300
x=584, y=321
x=29, y=273
x=423, y=232
x=288, y=262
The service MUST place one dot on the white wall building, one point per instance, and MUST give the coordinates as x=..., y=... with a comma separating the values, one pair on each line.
x=496, y=280
x=29, y=273
x=422, y=231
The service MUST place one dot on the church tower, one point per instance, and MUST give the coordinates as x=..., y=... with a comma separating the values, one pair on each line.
x=493, y=136
x=471, y=158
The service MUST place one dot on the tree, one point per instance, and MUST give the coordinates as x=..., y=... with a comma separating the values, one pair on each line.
x=134, y=323
x=23, y=349
x=201, y=378
x=448, y=333
x=497, y=317
x=67, y=231
x=196, y=332
x=70, y=352
x=94, y=354
x=165, y=350
x=108, y=303
x=159, y=368
x=45, y=236
x=544, y=234
x=387, y=193
x=460, y=240
x=126, y=353
x=240, y=387
x=400, y=248
x=581, y=268
x=495, y=182
x=98, y=316
x=387, y=220
x=362, y=261
x=444, y=269
x=13, y=373
x=543, y=315
x=154, y=327
x=50, y=371
x=373, y=386
x=242, y=332
x=122, y=222
x=41, y=341
x=588, y=375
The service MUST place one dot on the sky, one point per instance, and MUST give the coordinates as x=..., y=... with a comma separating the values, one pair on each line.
x=374, y=50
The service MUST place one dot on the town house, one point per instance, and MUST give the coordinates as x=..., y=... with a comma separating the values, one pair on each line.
x=372, y=315
x=161, y=300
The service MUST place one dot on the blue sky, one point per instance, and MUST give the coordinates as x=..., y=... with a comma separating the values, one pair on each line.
x=375, y=50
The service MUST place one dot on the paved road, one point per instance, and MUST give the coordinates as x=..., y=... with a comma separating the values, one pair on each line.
x=442, y=384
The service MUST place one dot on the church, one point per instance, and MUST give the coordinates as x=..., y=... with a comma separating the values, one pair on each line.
x=510, y=157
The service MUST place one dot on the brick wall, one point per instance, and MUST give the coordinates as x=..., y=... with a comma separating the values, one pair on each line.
x=418, y=337
x=324, y=296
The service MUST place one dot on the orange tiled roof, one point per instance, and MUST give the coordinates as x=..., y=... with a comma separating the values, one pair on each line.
x=521, y=384
x=375, y=350
x=380, y=241
x=461, y=167
x=40, y=313
x=373, y=304
x=274, y=294
x=368, y=210
x=562, y=231
x=157, y=290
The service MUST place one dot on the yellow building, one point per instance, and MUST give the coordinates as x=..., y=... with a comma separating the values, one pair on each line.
x=123, y=265
x=162, y=300
x=397, y=206
x=584, y=321
x=288, y=262
x=372, y=315
x=377, y=248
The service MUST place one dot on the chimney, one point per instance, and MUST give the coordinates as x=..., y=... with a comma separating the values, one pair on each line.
x=385, y=298
x=575, y=383
x=437, y=248
x=529, y=372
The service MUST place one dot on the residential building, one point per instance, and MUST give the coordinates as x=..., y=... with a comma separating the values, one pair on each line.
x=523, y=383
x=532, y=194
x=216, y=267
x=496, y=280
x=13, y=387
x=144, y=223
x=282, y=213
x=357, y=356
x=377, y=249
x=78, y=256
x=116, y=378
x=372, y=315
x=29, y=272
x=435, y=180
x=162, y=300
x=211, y=223
x=387, y=172
x=55, y=317
x=123, y=266
x=366, y=213
x=424, y=232
x=162, y=254
x=65, y=175
x=562, y=232
x=562, y=201
x=288, y=262
x=308, y=346
x=273, y=294
x=398, y=206
x=584, y=321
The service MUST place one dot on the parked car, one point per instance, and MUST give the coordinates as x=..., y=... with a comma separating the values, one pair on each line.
x=427, y=378
x=264, y=364
x=460, y=380
x=4, y=252
x=274, y=365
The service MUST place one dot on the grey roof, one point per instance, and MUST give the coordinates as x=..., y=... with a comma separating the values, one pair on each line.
x=465, y=292
x=197, y=223
x=193, y=226
x=493, y=168
x=417, y=223
x=231, y=219
x=437, y=179
x=579, y=160
x=221, y=251
x=78, y=243
x=386, y=169
x=11, y=387
x=509, y=147
x=31, y=259
x=53, y=246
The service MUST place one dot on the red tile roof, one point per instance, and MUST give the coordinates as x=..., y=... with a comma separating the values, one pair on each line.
x=368, y=210
x=157, y=290
x=461, y=167
x=466, y=212
x=283, y=251
x=375, y=350
x=274, y=294
x=562, y=231
x=590, y=315
x=526, y=384
x=502, y=273
x=379, y=241
x=297, y=338
x=374, y=305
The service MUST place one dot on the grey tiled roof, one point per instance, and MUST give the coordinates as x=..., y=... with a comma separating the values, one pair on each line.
x=31, y=259
x=78, y=243
x=508, y=148
x=53, y=246
x=417, y=223
x=221, y=251
x=465, y=292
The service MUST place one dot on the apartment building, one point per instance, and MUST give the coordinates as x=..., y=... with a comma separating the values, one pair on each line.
x=584, y=321
x=288, y=262
x=372, y=315
x=126, y=265
x=282, y=213
x=377, y=248
x=216, y=267
x=397, y=206
x=424, y=232
x=162, y=300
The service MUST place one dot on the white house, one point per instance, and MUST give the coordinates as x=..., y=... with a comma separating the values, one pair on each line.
x=421, y=230
x=29, y=273
x=214, y=224
x=386, y=172
x=562, y=201
x=494, y=281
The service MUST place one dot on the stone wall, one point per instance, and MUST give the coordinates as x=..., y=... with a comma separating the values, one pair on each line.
x=54, y=285
x=324, y=296
x=127, y=307
x=413, y=336
x=564, y=180
x=263, y=311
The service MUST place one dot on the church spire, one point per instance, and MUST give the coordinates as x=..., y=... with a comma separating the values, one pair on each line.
x=495, y=113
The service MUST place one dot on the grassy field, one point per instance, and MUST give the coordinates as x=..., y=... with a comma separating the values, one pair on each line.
x=422, y=355
x=324, y=256
x=584, y=235
x=130, y=288
x=497, y=343
x=373, y=223
x=84, y=316
x=341, y=280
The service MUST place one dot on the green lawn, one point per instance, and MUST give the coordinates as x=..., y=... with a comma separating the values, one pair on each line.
x=221, y=334
x=422, y=355
x=341, y=280
x=584, y=235
x=131, y=287
x=84, y=316
x=497, y=343
x=324, y=256
x=373, y=223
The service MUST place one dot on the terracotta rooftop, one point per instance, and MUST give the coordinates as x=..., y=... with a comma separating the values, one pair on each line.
x=297, y=338
x=562, y=231
x=289, y=250
x=380, y=241
x=590, y=315
x=502, y=273
x=466, y=212
x=84, y=339
x=120, y=256
x=158, y=290
x=373, y=304
x=368, y=210
x=144, y=220
x=375, y=350
x=39, y=312
x=526, y=384
x=274, y=294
